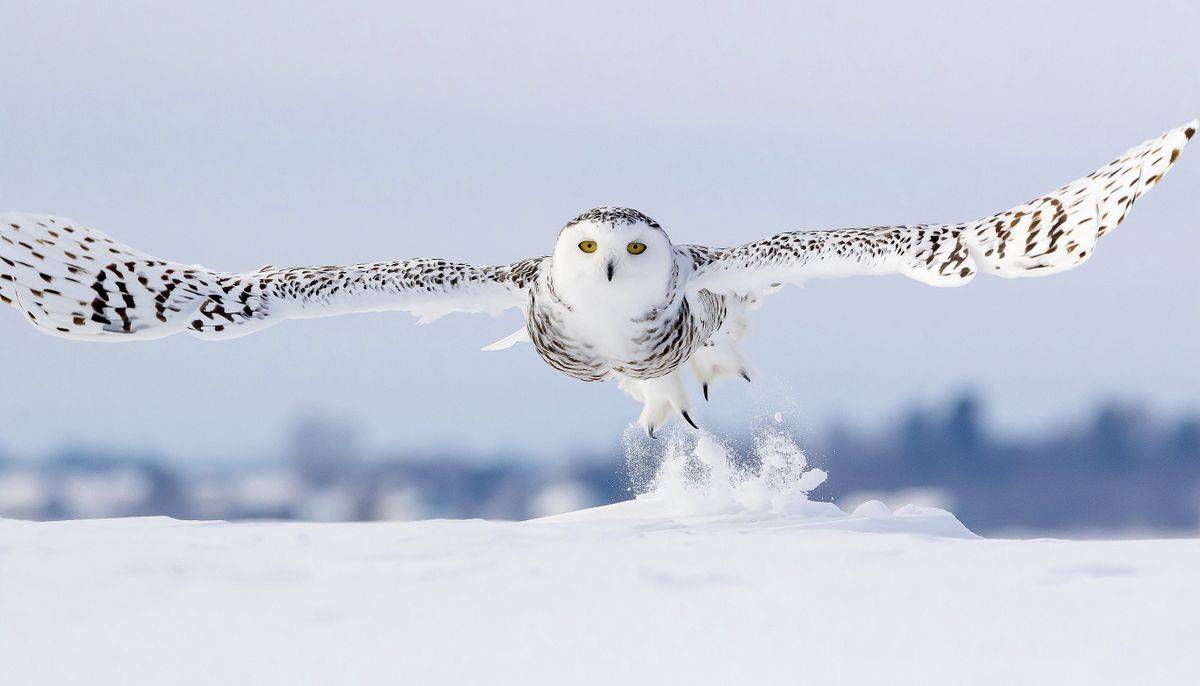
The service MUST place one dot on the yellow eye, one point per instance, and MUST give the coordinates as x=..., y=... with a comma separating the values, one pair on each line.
x=636, y=248
x=587, y=246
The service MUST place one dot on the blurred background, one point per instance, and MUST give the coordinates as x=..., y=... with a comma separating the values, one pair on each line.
x=1118, y=470
x=236, y=136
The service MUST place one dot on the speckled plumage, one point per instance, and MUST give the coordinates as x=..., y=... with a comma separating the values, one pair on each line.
x=656, y=311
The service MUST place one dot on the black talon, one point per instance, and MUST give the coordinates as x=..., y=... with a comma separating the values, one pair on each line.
x=705, y=387
x=688, y=417
x=745, y=376
x=650, y=432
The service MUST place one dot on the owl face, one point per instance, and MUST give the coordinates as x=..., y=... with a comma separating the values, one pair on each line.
x=615, y=251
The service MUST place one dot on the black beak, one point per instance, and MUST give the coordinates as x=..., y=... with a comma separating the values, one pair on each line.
x=610, y=271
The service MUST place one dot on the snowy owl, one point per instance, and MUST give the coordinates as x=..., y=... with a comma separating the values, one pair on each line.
x=615, y=300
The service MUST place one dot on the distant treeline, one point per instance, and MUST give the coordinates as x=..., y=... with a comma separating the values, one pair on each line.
x=1120, y=469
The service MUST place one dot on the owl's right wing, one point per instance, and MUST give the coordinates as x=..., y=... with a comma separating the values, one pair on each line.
x=76, y=282
x=1053, y=233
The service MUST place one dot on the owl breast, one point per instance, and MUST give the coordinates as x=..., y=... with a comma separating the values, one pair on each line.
x=593, y=342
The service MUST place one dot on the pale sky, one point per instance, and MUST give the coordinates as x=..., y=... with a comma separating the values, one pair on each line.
x=235, y=137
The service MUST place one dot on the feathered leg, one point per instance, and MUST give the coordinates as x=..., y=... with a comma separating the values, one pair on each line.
x=719, y=356
x=661, y=398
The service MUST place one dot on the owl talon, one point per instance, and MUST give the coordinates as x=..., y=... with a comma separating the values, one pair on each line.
x=687, y=417
x=705, y=388
x=745, y=376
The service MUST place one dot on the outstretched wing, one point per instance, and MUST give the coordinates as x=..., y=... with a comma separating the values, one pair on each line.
x=76, y=282
x=1050, y=234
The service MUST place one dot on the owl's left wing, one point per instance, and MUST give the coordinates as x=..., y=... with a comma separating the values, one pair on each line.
x=1053, y=233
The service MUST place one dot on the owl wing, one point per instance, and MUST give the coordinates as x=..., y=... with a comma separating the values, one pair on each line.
x=76, y=282
x=1053, y=233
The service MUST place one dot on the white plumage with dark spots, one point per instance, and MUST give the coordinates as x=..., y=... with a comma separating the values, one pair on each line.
x=616, y=300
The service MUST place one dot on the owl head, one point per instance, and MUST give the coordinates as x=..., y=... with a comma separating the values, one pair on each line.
x=613, y=250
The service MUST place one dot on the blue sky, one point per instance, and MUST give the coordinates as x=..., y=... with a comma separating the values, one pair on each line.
x=235, y=137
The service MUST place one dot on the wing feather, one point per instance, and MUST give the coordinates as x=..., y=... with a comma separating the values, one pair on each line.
x=1049, y=234
x=76, y=282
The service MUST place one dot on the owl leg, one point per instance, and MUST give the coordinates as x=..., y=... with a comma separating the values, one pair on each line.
x=661, y=399
x=715, y=360
x=719, y=356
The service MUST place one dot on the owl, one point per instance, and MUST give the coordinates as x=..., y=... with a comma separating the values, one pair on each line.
x=615, y=300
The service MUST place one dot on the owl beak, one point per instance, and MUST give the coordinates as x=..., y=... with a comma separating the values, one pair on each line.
x=610, y=270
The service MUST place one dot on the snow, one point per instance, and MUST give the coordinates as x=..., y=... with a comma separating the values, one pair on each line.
x=722, y=572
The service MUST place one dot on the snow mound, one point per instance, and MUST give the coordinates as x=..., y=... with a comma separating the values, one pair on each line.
x=695, y=478
x=723, y=570
x=622, y=595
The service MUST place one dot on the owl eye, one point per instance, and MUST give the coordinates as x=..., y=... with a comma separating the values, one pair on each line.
x=587, y=246
x=636, y=248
